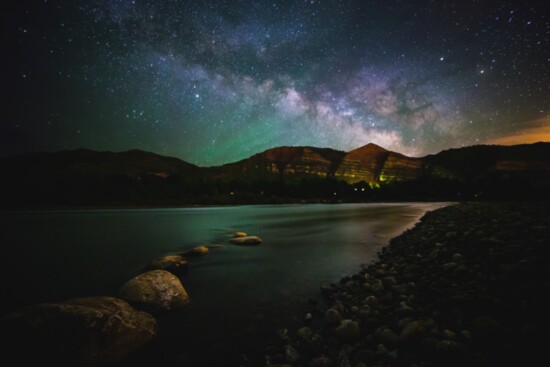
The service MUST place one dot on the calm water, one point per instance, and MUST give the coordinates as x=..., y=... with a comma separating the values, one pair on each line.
x=235, y=291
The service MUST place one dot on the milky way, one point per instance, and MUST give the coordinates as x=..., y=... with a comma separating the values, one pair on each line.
x=216, y=81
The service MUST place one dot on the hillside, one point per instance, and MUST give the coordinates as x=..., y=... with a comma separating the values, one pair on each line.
x=90, y=178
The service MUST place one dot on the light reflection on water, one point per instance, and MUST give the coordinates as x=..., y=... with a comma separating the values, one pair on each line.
x=60, y=254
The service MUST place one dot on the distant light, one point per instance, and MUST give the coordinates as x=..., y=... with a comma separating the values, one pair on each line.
x=362, y=189
x=441, y=58
x=334, y=193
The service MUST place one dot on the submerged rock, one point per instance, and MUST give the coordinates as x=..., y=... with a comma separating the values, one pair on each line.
x=155, y=290
x=173, y=263
x=247, y=240
x=89, y=331
x=239, y=234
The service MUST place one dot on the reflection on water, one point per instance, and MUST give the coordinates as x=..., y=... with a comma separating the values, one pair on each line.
x=61, y=254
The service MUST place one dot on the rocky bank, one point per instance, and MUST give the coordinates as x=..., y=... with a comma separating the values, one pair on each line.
x=467, y=286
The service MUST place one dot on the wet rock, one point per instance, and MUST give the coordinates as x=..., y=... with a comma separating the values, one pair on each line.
x=451, y=349
x=405, y=288
x=291, y=354
x=199, y=250
x=381, y=349
x=173, y=263
x=321, y=362
x=448, y=334
x=486, y=331
x=89, y=331
x=338, y=306
x=343, y=360
x=371, y=300
x=304, y=333
x=404, y=309
x=449, y=266
x=387, y=336
x=155, y=290
x=239, y=234
x=332, y=317
x=377, y=286
x=413, y=331
x=247, y=241
x=347, y=330
x=457, y=257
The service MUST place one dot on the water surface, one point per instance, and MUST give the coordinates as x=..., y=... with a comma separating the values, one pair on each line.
x=235, y=290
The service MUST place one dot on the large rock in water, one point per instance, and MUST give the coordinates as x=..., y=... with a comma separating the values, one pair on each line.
x=155, y=290
x=90, y=331
x=248, y=240
x=173, y=263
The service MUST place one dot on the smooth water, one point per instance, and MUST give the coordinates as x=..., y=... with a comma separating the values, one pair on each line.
x=55, y=255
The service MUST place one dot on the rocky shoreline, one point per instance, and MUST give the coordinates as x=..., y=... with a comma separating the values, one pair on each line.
x=467, y=286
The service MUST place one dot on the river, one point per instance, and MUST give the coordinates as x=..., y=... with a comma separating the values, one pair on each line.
x=239, y=295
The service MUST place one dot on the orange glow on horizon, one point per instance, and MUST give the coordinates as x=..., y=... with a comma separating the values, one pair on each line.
x=534, y=132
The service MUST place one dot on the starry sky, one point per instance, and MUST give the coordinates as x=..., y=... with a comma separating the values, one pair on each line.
x=213, y=82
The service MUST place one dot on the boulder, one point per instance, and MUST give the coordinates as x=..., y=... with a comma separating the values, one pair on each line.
x=347, y=331
x=175, y=264
x=199, y=250
x=248, y=240
x=89, y=331
x=332, y=317
x=155, y=290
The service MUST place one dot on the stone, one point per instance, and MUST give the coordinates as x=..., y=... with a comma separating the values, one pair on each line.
x=457, y=257
x=343, y=359
x=387, y=336
x=413, y=331
x=486, y=331
x=175, y=264
x=450, y=349
x=248, y=240
x=404, y=288
x=291, y=354
x=155, y=290
x=404, y=309
x=304, y=333
x=347, y=331
x=239, y=234
x=332, y=317
x=88, y=331
x=377, y=286
x=321, y=362
x=371, y=300
x=199, y=250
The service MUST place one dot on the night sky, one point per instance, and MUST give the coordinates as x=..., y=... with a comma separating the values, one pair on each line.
x=213, y=82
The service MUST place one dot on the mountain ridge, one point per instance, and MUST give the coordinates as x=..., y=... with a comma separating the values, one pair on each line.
x=89, y=176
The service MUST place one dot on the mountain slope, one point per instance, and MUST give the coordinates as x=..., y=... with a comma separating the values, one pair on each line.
x=85, y=177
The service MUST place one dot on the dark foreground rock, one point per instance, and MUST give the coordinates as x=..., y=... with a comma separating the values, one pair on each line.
x=90, y=331
x=467, y=286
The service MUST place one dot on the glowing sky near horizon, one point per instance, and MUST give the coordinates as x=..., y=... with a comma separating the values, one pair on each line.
x=212, y=82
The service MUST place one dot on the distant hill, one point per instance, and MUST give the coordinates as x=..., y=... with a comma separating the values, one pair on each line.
x=86, y=177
